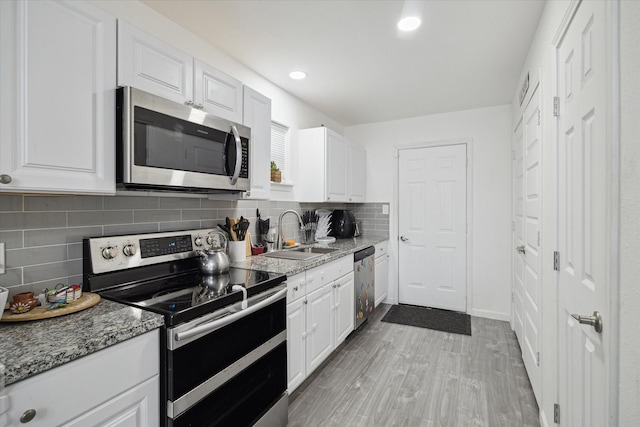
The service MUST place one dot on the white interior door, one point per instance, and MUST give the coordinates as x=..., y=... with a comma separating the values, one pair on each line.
x=530, y=253
x=518, y=233
x=582, y=222
x=432, y=227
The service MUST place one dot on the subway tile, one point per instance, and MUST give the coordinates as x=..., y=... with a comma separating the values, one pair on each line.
x=130, y=202
x=210, y=223
x=179, y=203
x=11, y=277
x=34, y=256
x=114, y=230
x=74, y=251
x=200, y=214
x=218, y=204
x=247, y=204
x=12, y=239
x=76, y=279
x=56, y=236
x=156, y=215
x=99, y=218
x=11, y=202
x=62, y=203
x=55, y=270
x=31, y=220
x=179, y=225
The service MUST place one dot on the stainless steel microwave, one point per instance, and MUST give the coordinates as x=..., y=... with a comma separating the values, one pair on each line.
x=163, y=145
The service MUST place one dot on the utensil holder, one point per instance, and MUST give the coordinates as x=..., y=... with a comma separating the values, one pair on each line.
x=308, y=236
x=237, y=251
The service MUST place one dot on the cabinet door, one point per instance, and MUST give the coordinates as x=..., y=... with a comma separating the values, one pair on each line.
x=382, y=279
x=57, y=108
x=257, y=116
x=319, y=326
x=356, y=171
x=134, y=408
x=296, y=344
x=336, y=168
x=218, y=93
x=152, y=65
x=344, y=308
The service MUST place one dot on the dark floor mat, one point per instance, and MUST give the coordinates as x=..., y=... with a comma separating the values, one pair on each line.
x=430, y=318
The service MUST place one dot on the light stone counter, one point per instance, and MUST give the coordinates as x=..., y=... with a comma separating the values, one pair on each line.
x=29, y=348
x=290, y=267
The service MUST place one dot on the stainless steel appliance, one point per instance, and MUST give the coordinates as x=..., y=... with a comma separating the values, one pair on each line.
x=223, y=348
x=164, y=145
x=364, y=275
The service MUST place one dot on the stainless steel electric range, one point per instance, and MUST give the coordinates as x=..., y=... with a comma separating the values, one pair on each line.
x=223, y=348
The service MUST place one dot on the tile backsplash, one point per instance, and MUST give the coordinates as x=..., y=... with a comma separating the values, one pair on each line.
x=43, y=234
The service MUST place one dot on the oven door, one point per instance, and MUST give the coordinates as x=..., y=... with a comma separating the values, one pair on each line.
x=165, y=144
x=230, y=368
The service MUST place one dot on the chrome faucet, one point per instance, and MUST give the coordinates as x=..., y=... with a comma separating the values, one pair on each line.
x=279, y=239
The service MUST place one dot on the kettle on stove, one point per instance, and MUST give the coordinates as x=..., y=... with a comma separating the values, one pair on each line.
x=215, y=259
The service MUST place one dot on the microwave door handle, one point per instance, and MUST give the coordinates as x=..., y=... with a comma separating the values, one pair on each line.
x=236, y=171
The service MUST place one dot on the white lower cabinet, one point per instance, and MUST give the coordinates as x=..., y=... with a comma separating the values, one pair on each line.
x=343, y=308
x=117, y=386
x=319, y=326
x=320, y=315
x=382, y=272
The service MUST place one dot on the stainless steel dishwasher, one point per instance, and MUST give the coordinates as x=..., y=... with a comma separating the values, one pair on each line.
x=364, y=274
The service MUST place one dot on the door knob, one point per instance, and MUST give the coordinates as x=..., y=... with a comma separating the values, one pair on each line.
x=521, y=249
x=404, y=239
x=595, y=320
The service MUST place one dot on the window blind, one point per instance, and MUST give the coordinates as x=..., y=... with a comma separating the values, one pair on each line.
x=279, y=147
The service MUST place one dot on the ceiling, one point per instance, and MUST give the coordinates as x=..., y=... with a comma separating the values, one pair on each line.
x=467, y=53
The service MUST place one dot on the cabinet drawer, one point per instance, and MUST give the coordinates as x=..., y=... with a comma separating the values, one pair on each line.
x=295, y=287
x=327, y=273
x=381, y=248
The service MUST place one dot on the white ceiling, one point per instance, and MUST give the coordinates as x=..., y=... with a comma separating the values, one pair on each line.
x=467, y=53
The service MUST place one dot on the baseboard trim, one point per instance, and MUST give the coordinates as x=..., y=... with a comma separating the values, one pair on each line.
x=491, y=315
x=543, y=419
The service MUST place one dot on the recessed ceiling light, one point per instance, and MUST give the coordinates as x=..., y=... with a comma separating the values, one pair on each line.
x=297, y=75
x=409, y=23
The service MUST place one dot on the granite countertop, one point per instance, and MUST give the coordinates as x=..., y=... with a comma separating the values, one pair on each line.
x=29, y=348
x=289, y=267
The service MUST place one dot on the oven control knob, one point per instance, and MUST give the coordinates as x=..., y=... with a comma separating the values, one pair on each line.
x=109, y=252
x=209, y=240
x=129, y=250
x=198, y=241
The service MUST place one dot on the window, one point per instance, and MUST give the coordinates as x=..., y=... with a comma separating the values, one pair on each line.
x=279, y=149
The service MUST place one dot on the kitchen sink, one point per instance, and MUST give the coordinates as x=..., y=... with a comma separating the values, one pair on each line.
x=313, y=250
x=300, y=253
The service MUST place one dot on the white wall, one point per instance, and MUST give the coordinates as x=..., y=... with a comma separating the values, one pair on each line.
x=489, y=130
x=285, y=108
x=629, y=338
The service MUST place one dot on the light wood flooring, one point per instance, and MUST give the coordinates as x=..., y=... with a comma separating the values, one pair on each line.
x=394, y=375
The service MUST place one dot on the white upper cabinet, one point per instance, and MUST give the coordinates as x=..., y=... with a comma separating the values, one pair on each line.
x=57, y=97
x=257, y=116
x=334, y=167
x=356, y=173
x=154, y=66
x=149, y=64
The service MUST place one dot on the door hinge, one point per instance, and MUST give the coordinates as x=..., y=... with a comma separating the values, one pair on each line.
x=512, y=299
x=513, y=154
x=556, y=413
x=556, y=260
x=538, y=117
x=538, y=239
x=513, y=226
x=538, y=359
x=556, y=106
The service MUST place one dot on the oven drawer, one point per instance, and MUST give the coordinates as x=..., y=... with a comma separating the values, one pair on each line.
x=245, y=398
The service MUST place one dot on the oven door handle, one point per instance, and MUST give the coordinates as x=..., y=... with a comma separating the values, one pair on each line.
x=219, y=323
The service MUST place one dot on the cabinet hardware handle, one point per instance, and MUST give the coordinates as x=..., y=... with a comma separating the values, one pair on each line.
x=5, y=179
x=189, y=103
x=295, y=288
x=27, y=416
x=521, y=249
